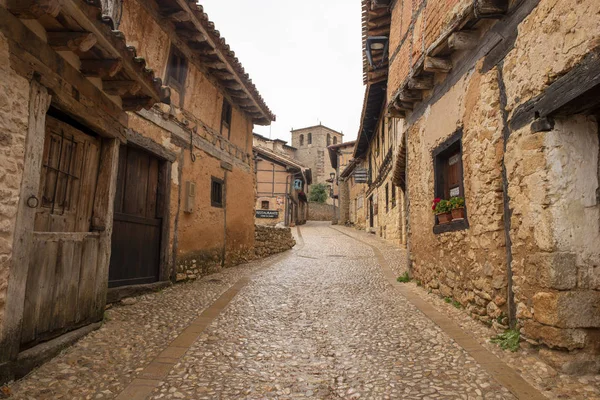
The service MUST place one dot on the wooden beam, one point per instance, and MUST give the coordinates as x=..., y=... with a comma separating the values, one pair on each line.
x=437, y=64
x=463, y=40
x=73, y=41
x=33, y=9
x=490, y=8
x=410, y=95
x=215, y=64
x=101, y=68
x=179, y=16
x=191, y=35
x=423, y=82
x=120, y=88
x=232, y=85
x=136, y=103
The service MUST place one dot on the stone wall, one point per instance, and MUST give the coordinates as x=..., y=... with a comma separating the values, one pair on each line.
x=272, y=240
x=14, y=114
x=551, y=208
x=320, y=212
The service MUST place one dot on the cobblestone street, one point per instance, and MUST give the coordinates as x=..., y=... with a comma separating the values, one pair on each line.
x=320, y=322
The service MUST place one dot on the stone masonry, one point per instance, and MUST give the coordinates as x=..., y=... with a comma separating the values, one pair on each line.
x=272, y=240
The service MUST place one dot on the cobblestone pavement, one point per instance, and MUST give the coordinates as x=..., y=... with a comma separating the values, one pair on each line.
x=321, y=322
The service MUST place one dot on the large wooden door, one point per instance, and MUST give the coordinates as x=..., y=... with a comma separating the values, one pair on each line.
x=137, y=224
x=64, y=267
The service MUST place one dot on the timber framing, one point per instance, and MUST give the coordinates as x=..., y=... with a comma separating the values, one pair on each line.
x=376, y=21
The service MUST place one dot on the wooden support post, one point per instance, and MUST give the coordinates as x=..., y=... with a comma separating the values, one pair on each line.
x=33, y=9
x=423, y=82
x=102, y=217
x=73, y=41
x=490, y=8
x=101, y=68
x=10, y=333
x=463, y=40
x=120, y=88
x=437, y=64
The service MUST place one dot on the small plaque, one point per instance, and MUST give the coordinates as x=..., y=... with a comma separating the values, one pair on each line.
x=271, y=214
x=454, y=192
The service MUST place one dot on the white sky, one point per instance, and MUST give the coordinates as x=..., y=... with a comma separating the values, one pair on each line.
x=303, y=56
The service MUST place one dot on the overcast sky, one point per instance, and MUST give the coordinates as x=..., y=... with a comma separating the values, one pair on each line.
x=303, y=56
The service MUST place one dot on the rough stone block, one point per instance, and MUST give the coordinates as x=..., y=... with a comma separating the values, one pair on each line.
x=572, y=364
x=569, y=339
x=580, y=309
x=552, y=270
x=588, y=277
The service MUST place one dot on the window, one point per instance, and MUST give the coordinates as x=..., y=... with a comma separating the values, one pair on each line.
x=226, y=119
x=393, y=196
x=216, y=192
x=301, y=140
x=387, y=197
x=334, y=140
x=265, y=204
x=328, y=139
x=448, y=174
x=309, y=141
x=177, y=69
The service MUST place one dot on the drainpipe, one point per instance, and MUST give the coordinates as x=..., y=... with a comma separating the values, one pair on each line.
x=223, y=251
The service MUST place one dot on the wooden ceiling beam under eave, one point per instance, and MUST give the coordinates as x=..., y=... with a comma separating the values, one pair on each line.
x=87, y=16
x=33, y=9
x=78, y=42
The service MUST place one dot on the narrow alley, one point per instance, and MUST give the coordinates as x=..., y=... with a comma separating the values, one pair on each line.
x=321, y=321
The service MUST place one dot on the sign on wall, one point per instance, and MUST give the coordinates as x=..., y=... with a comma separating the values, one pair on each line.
x=272, y=214
x=360, y=175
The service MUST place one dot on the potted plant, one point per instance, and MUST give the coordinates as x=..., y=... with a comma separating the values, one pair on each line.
x=458, y=208
x=443, y=210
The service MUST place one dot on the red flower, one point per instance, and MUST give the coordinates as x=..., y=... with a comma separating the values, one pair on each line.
x=435, y=202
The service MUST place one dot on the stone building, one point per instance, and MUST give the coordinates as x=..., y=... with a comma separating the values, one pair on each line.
x=111, y=179
x=340, y=156
x=281, y=184
x=499, y=104
x=311, y=150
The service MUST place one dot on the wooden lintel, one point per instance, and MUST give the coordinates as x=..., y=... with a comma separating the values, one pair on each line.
x=33, y=9
x=101, y=68
x=136, y=103
x=423, y=82
x=463, y=40
x=490, y=8
x=120, y=88
x=437, y=64
x=73, y=41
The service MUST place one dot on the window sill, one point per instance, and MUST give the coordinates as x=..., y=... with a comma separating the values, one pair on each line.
x=453, y=226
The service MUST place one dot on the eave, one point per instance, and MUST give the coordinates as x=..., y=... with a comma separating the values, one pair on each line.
x=375, y=97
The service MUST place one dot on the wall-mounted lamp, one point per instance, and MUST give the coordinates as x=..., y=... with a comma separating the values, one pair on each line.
x=376, y=43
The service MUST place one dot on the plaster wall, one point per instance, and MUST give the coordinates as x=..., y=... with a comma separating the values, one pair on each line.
x=14, y=121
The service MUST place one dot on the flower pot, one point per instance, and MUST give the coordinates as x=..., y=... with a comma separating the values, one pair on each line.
x=458, y=213
x=444, y=218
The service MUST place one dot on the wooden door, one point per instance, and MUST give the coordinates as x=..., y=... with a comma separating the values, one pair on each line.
x=61, y=291
x=137, y=224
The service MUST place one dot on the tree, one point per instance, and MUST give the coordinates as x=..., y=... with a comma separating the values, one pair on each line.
x=318, y=193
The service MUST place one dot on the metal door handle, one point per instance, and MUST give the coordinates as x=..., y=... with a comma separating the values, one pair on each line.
x=33, y=202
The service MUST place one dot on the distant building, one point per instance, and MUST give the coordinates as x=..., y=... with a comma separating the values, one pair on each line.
x=341, y=156
x=311, y=147
x=281, y=184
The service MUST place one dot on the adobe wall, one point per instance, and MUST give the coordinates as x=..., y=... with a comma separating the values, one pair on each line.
x=199, y=238
x=14, y=121
x=357, y=214
x=276, y=203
